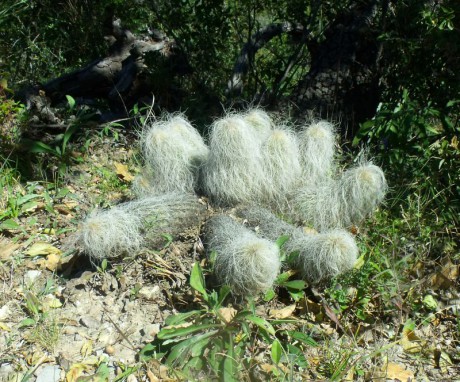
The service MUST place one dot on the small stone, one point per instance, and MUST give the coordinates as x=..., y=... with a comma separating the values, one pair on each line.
x=6, y=370
x=149, y=332
x=149, y=292
x=5, y=312
x=90, y=322
x=31, y=276
x=109, y=349
x=48, y=373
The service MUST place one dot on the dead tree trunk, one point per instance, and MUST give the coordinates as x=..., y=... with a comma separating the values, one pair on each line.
x=120, y=77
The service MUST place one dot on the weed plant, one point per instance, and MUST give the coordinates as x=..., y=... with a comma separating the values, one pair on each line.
x=247, y=263
x=233, y=173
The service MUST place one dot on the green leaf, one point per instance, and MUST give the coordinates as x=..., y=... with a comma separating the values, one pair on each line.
x=269, y=295
x=300, y=336
x=179, y=318
x=262, y=323
x=150, y=351
x=27, y=322
x=283, y=277
x=9, y=224
x=283, y=239
x=24, y=199
x=68, y=134
x=276, y=352
x=70, y=101
x=167, y=333
x=40, y=147
x=296, y=356
x=296, y=284
x=197, y=280
x=178, y=352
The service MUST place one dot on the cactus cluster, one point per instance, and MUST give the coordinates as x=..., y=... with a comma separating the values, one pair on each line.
x=259, y=166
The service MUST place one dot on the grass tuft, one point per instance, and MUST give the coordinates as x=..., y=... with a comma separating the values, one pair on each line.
x=247, y=263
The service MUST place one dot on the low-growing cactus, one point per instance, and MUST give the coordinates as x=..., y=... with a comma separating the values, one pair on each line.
x=319, y=255
x=173, y=151
x=317, y=143
x=233, y=172
x=165, y=214
x=260, y=121
x=247, y=263
x=343, y=202
x=110, y=233
x=280, y=154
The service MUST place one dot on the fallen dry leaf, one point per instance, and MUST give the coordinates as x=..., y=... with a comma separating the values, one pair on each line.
x=42, y=249
x=7, y=249
x=87, y=348
x=398, y=372
x=123, y=172
x=444, y=279
x=283, y=313
x=75, y=371
x=53, y=262
x=410, y=342
x=227, y=314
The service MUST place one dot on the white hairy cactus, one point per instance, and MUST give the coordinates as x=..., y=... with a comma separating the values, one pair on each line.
x=320, y=255
x=260, y=121
x=233, y=172
x=343, y=202
x=317, y=147
x=173, y=152
x=247, y=263
x=110, y=233
x=280, y=153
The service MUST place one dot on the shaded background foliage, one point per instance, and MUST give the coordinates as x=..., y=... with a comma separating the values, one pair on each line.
x=418, y=87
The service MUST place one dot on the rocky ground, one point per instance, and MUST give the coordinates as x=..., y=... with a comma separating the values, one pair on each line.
x=62, y=317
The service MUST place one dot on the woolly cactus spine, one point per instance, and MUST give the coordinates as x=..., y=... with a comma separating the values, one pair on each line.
x=198, y=150
x=260, y=121
x=165, y=214
x=110, y=233
x=317, y=143
x=233, y=172
x=344, y=202
x=361, y=189
x=281, y=165
x=245, y=262
x=319, y=255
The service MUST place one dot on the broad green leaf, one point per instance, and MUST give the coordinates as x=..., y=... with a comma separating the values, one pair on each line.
x=179, y=318
x=283, y=277
x=262, y=323
x=296, y=356
x=197, y=280
x=283, y=239
x=40, y=147
x=27, y=322
x=70, y=101
x=150, y=351
x=303, y=338
x=178, y=352
x=9, y=224
x=167, y=333
x=276, y=351
x=269, y=295
x=296, y=284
